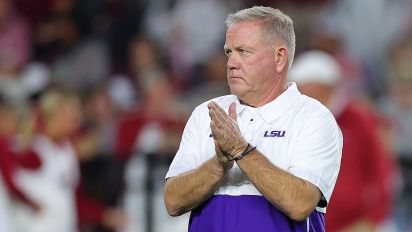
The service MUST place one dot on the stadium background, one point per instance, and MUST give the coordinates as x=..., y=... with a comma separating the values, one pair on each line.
x=141, y=66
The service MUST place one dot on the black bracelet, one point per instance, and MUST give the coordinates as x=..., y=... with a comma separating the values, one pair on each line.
x=244, y=153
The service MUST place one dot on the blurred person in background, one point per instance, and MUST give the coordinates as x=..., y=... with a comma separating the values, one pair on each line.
x=175, y=24
x=83, y=62
x=396, y=106
x=157, y=102
x=5, y=219
x=14, y=158
x=5, y=222
x=211, y=82
x=15, y=50
x=352, y=81
x=100, y=167
x=76, y=61
x=347, y=18
x=55, y=185
x=14, y=41
x=65, y=39
x=365, y=189
x=219, y=175
x=148, y=133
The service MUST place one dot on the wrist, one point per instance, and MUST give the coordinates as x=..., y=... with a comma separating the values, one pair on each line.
x=223, y=164
x=247, y=151
x=239, y=150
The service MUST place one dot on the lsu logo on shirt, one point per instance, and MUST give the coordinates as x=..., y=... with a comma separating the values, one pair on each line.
x=274, y=133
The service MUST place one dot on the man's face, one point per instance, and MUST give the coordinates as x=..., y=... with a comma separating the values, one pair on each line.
x=251, y=67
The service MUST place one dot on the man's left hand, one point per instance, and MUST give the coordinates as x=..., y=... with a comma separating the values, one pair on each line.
x=225, y=130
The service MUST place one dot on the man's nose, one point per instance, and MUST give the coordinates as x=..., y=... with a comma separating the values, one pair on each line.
x=232, y=62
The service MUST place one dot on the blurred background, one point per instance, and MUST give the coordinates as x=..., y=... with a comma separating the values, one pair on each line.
x=94, y=96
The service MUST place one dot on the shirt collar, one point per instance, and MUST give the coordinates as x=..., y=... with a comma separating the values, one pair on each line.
x=232, y=98
x=272, y=110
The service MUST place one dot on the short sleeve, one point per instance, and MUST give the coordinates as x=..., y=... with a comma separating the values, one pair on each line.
x=185, y=158
x=318, y=153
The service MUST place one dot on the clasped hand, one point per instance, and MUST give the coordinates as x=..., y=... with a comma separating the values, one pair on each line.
x=229, y=142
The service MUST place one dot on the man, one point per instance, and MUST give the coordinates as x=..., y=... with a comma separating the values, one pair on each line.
x=362, y=195
x=271, y=162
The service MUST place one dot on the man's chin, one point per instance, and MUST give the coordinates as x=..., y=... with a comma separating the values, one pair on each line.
x=236, y=90
x=238, y=94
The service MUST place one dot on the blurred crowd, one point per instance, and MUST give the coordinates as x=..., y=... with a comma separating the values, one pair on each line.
x=94, y=96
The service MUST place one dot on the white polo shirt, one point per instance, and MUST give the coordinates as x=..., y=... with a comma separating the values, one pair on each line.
x=296, y=133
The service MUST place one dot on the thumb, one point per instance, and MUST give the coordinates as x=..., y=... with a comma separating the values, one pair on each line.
x=232, y=111
x=217, y=147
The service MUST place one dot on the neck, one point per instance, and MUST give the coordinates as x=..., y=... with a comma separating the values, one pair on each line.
x=275, y=91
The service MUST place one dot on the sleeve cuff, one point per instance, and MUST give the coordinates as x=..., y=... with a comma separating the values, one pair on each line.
x=314, y=179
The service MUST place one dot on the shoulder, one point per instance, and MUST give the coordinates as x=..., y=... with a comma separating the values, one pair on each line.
x=314, y=119
x=308, y=107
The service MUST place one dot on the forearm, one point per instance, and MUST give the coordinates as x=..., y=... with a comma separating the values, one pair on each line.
x=295, y=197
x=187, y=191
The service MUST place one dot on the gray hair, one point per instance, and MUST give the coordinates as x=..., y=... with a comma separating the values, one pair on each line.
x=275, y=24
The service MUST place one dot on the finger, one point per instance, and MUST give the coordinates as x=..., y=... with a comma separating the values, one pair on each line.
x=216, y=116
x=228, y=120
x=217, y=133
x=221, y=118
x=217, y=144
x=221, y=115
x=217, y=148
x=232, y=111
x=212, y=105
x=212, y=113
x=213, y=127
x=220, y=111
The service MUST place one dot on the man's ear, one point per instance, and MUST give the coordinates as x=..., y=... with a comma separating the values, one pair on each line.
x=281, y=59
